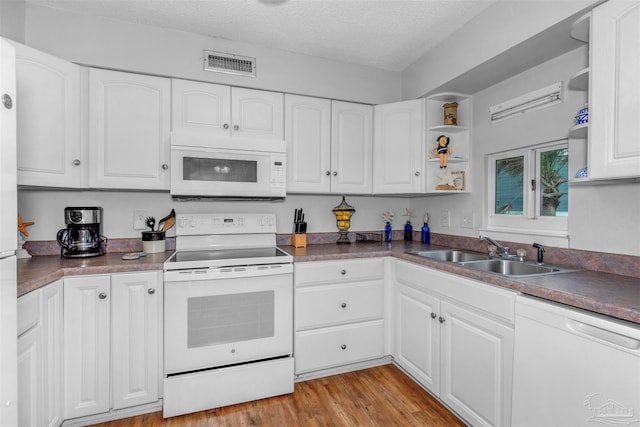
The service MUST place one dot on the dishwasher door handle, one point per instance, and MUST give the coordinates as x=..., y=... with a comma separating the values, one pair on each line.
x=603, y=334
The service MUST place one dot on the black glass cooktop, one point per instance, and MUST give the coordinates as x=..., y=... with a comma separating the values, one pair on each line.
x=225, y=254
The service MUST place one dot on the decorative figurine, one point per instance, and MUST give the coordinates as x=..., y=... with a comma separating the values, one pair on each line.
x=446, y=182
x=442, y=150
x=451, y=113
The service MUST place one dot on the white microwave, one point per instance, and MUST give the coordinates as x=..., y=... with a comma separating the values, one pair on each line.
x=228, y=173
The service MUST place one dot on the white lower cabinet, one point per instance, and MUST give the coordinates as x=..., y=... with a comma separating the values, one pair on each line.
x=112, y=342
x=338, y=313
x=40, y=357
x=455, y=337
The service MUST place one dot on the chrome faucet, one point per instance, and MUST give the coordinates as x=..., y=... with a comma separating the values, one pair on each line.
x=503, y=250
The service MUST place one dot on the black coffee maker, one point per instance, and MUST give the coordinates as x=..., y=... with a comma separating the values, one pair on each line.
x=83, y=236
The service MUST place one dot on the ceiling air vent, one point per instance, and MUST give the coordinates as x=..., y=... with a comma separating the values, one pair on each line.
x=228, y=63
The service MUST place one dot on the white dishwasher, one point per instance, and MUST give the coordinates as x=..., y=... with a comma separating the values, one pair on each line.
x=574, y=368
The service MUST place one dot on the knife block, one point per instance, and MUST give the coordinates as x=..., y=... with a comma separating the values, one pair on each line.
x=299, y=240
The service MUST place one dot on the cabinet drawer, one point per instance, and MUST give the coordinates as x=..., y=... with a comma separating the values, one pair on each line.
x=28, y=311
x=339, y=345
x=334, y=271
x=335, y=304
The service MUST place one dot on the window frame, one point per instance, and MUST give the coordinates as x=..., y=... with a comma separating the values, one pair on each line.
x=531, y=221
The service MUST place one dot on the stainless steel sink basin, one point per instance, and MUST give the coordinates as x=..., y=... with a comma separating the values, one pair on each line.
x=451, y=255
x=514, y=268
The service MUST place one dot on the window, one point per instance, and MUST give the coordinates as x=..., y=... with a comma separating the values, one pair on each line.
x=528, y=188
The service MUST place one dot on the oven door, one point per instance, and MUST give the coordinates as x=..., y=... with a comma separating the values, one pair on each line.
x=225, y=316
x=227, y=173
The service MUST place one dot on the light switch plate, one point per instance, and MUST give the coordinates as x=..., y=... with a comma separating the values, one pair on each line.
x=445, y=218
x=468, y=220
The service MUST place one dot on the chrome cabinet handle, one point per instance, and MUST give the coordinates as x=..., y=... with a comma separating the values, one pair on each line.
x=343, y=346
x=335, y=173
x=343, y=305
x=327, y=173
x=441, y=319
x=165, y=166
x=7, y=101
x=76, y=162
x=236, y=127
x=225, y=126
x=417, y=173
x=151, y=291
x=433, y=315
x=102, y=295
x=343, y=272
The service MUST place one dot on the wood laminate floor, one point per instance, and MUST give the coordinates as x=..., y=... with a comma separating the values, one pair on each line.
x=380, y=396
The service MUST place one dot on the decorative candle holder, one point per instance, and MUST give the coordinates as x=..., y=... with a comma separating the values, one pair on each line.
x=343, y=213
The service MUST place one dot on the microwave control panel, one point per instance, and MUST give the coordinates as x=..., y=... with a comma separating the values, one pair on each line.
x=278, y=171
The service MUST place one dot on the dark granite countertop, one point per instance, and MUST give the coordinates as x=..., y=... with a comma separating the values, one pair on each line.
x=604, y=293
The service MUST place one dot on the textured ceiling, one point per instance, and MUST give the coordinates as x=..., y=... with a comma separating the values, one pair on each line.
x=386, y=34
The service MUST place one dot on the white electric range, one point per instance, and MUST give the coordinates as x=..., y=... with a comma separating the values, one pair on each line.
x=228, y=313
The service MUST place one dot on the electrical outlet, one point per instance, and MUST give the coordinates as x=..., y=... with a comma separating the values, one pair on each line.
x=139, y=217
x=445, y=218
x=468, y=220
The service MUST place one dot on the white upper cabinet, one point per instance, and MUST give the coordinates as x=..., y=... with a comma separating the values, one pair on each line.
x=129, y=130
x=614, y=134
x=398, y=147
x=217, y=110
x=200, y=107
x=351, y=148
x=329, y=146
x=257, y=114
x=308, y=136
x=49, y=120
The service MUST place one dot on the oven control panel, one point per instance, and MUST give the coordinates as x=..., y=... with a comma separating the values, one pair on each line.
x=204, y=224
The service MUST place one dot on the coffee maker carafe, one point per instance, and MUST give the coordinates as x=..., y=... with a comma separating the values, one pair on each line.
x=83, y=235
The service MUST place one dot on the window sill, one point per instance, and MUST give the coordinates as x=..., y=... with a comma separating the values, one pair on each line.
x=555, y=238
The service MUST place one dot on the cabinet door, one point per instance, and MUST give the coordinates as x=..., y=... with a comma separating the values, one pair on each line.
x=308, y=136
x=86, y=345
x=614, y=151
x=49, y=128
x=135, y=349
x=200, y=107
x=52, y=356
x=30, y=378
x=257, y=114
x=351, y=147
x=417, y=335
x=398, y=144
x=477, y=366
x=129, y=130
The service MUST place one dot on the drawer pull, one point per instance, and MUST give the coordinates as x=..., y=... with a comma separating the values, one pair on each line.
x=343, y=272
x=343, y=347
x=343, y=305
x=433, y=315
x=441, y=319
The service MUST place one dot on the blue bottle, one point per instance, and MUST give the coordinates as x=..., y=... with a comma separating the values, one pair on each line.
x=387, y=232
x=408, y=231
x=425, y=235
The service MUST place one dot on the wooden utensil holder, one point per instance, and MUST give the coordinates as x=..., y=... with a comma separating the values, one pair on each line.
x=299, y=240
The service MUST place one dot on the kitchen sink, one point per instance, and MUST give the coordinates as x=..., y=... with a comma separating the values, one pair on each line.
x=451, y=255
x=482, y=262
x=513, y=268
